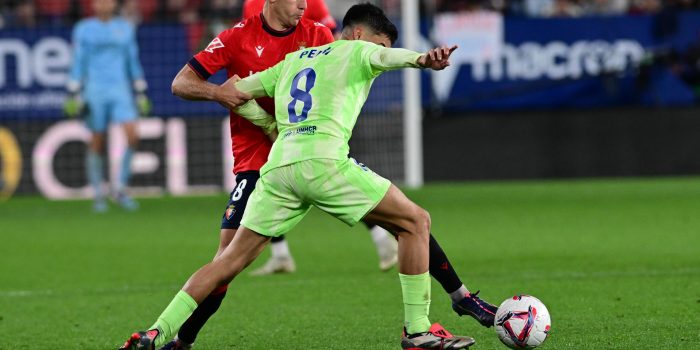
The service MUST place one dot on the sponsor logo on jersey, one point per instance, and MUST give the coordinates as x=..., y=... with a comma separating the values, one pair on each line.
x=304, y=130
x=259, y=49
x=215, y=44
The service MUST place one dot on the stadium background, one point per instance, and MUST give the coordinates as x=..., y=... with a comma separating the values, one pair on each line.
x=540, y=89
x=577, y=89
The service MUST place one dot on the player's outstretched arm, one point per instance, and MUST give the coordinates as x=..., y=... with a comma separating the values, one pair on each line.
x=385, y=59
x=190, y=86
x=437, y=58
x=251, y=110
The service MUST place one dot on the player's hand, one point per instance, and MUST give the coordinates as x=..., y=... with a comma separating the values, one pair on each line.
x=273, y=135
x=230, y=97
x=437, y=58
x=73, y=106
x=144, y=104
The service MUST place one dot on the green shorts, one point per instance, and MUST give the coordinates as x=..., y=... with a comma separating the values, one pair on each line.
x=345, y=189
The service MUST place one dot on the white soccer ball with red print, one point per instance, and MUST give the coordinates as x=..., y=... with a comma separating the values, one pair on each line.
x=522, y=322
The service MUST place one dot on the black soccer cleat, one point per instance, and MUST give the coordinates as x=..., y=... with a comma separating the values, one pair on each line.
x=473, y=306
x=141, y=341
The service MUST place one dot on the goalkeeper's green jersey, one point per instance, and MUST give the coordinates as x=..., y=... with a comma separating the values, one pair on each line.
x=319, y=93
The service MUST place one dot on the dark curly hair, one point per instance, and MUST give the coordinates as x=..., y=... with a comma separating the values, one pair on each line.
x=373, y=17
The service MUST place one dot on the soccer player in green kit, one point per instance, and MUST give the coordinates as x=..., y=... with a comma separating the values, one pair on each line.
x=318, y=96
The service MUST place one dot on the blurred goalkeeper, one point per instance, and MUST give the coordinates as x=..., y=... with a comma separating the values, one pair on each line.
x=105, y=76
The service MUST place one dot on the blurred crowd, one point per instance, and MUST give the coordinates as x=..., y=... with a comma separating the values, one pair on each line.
x=568, y=8
x=29, y=13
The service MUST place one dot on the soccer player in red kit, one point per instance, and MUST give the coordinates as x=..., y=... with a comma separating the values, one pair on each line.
x=250, y=46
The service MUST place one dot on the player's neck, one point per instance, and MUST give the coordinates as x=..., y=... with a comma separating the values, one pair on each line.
x=273, y=21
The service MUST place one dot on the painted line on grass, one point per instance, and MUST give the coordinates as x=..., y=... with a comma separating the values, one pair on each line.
x=126, y=289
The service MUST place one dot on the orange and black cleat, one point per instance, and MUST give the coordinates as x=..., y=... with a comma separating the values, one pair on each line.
x=141, y=341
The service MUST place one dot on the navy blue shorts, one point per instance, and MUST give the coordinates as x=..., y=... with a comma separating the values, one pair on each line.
x=245, y=184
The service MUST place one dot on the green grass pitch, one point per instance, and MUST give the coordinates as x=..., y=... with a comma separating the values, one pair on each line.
x=617, y=262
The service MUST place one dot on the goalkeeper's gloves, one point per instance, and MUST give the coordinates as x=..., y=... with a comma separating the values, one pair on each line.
x=73, y=106
x=143, y=103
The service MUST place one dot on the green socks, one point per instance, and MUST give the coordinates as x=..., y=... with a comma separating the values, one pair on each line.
x=170, y=321
x=416, y=301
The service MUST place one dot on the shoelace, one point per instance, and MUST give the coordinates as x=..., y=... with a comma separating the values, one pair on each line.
x=479, y=302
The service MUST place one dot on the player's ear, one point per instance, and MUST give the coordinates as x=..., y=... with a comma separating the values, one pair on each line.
x=357, y=33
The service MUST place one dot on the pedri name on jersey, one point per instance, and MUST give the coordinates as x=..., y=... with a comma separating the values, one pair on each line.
x=311, y=53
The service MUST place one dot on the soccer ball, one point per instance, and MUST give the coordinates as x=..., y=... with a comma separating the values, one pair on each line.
x=522, y=322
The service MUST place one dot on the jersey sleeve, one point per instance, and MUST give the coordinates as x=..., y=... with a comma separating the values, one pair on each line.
x=252, y=85
x=251, y=110
x=269, y=77
x=77, y=67
x=135, y=69
x=376, y=59
x=215, y=56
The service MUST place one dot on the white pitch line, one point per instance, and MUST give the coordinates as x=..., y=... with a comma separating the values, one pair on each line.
x=527, y=275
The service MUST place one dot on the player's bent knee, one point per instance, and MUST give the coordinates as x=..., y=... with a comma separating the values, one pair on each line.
x=423, y=222
x=418, y=223
x=427, y=221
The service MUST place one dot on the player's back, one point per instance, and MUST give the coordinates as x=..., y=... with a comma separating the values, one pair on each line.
x=319, y=93
x=105, y=50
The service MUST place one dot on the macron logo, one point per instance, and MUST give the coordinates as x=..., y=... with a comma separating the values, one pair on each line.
x=215, y=44
x=259, y=50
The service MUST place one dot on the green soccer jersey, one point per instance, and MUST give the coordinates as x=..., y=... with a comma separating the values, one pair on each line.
x=319, y=93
